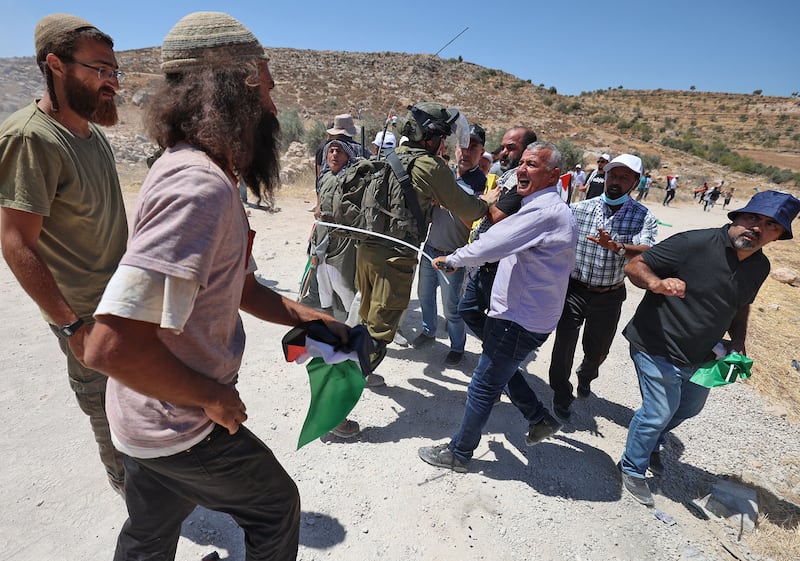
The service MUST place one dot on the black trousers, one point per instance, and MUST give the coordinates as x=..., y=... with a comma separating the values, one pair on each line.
x=601, y=312
x=236, y=474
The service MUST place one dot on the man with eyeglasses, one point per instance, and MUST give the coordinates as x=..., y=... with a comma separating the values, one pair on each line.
x=62, y=218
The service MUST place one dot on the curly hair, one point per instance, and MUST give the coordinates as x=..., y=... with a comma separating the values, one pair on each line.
x=219, y=110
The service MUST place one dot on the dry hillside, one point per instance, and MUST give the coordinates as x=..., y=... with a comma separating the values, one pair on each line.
x=319, y=84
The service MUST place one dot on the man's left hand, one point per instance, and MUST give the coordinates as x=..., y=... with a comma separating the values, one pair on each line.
x=605, y=240
x=491, y=196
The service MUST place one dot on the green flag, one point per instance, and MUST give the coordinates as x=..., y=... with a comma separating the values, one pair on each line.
x=335, y=390
x=723, y=371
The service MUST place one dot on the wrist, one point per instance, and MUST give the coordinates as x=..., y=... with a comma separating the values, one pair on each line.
x=70, y=329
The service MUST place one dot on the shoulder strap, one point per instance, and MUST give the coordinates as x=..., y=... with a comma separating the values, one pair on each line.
x=408, y=192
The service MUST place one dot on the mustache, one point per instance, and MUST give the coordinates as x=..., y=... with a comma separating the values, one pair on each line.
x=753, y=233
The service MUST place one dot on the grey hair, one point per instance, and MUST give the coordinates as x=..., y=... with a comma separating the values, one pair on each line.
x=556, y=160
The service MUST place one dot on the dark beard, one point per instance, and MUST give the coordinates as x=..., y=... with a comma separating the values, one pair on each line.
x=88, y=104
x=512, y=163
x=263, y=175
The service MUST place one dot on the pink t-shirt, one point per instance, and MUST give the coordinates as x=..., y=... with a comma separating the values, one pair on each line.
x=189, y=224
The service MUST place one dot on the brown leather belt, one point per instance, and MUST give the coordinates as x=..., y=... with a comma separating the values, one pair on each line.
x=598, y=289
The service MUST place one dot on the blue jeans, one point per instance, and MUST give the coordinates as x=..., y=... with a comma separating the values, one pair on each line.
x=668, y=399
x=474, y=302
x=429, y=280
x=506, y=344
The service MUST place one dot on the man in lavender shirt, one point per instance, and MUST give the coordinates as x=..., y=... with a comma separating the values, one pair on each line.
x=536, y=250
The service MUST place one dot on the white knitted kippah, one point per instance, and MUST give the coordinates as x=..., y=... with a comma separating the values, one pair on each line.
x=207, y=39
x=52, y=28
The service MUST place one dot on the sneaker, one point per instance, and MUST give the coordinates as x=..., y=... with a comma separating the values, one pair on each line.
x=346, y=429
x=656, y=466
x=453, y=358
x=375, y=381
x=545, y=428
x=422, y=339
x=399, y=339
x=441, y=456
x=584, y=390
x=638, y=488
x=562, y=412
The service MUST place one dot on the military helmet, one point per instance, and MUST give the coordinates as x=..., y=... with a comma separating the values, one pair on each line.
x=426, y=120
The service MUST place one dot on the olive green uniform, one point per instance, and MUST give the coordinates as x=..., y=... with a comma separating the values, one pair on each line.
x=385, y=271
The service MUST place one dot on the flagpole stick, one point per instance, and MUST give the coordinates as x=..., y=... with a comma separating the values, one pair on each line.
x=416, y=249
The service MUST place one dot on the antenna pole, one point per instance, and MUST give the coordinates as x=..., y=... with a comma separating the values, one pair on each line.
x=451, y=40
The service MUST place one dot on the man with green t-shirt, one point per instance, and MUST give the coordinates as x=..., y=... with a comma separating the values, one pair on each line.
x=62, y=218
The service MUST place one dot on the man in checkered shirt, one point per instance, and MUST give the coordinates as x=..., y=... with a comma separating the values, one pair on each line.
x=611, y=229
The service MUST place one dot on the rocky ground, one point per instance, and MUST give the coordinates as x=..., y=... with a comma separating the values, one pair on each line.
x=373, y=498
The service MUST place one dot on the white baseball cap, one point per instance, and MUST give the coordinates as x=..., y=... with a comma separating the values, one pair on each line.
x=488, y=156
x=388, y=141
x=633, y=163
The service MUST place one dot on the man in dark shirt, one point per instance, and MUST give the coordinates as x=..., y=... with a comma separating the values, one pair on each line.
x=596, y=183
x=700, y=285
x=474, y=302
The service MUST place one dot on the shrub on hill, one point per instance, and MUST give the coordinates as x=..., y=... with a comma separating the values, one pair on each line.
x=291, y=127
x=572, y=154
x=718, y=152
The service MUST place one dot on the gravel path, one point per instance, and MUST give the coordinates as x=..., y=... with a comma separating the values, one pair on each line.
x=372, y=498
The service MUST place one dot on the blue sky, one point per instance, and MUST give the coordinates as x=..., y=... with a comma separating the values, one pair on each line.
x=714, y=45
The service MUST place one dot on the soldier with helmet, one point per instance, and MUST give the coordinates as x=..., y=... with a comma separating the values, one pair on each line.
x=385, y=271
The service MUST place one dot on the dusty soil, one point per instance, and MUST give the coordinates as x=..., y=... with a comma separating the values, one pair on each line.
x=372, y=498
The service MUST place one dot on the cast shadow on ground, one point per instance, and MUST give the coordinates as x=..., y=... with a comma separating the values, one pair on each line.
x=432, y=411
x=585, y=413
x=320, y=531
x=683, y=482
x=216, y=530
x=220, y=532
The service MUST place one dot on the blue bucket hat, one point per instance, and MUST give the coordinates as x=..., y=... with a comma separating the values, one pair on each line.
x=782, y=207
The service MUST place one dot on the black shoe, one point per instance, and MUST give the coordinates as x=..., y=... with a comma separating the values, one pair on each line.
x=584, y=390
x=562, y=412
x=421, y=340
x=453, y=358
x=441, y=456
x=377, y=357
x=656, y=466
x=638, y=488
x=545, y=428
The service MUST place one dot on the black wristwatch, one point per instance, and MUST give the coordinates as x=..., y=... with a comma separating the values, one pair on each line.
x=71, y=329
x=621, y=251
